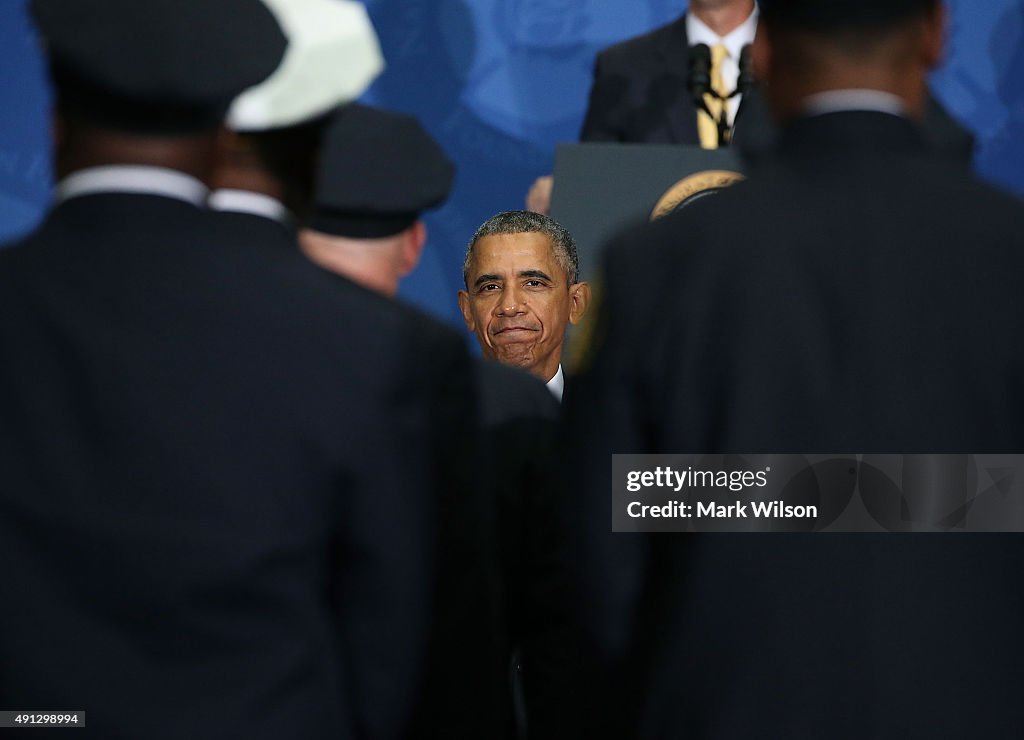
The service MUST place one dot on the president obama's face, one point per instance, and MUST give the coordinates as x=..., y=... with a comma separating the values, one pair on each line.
x=518, y=301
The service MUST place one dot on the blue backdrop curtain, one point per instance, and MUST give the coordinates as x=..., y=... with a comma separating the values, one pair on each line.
x=499, y=83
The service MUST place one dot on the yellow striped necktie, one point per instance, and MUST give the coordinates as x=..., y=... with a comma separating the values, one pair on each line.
x=707, y=127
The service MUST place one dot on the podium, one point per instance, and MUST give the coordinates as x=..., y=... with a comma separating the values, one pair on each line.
x=603, y=189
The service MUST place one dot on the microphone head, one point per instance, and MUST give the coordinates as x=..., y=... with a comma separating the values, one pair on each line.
x=700, y=69
x=746, y=77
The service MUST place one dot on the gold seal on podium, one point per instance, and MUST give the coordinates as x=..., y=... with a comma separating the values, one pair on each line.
x=691, y=188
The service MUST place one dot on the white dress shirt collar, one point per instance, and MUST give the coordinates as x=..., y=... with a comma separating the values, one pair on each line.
x=132, y=178
x=835, y=101
x=557, y=384
x=698, y=32
x=244, y=201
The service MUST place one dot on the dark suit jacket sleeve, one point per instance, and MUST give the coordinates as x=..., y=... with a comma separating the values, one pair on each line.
x=460, y=697
x=607, y=97
x=414, y=455
x=602, y=583
x=639, y=93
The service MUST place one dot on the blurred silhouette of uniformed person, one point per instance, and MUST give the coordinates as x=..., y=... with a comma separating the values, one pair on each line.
x=854, y=294
x=222, y=466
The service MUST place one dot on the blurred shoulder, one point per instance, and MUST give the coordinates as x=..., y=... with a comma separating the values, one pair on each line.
x=646, y=47
x=506, y=394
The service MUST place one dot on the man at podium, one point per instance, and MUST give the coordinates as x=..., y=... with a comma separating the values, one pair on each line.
x=643, y=91
x=685, y=83
x=646, y=89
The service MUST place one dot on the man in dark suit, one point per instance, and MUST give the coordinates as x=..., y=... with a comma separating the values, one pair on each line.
x=221, y=464
x=641, y=86
x=640, y=92
x=522, y=291
x=855, y=294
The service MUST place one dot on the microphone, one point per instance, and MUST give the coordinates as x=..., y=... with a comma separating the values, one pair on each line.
x=699, y=82
x=746, y=78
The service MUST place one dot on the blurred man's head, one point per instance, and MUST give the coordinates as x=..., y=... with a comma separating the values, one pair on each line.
x=149, y=81
x=377, y=173
x=804, y=47
x=279, y=163
x=521, y=274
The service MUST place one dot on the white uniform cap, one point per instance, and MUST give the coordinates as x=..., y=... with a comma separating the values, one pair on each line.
x=333, y=55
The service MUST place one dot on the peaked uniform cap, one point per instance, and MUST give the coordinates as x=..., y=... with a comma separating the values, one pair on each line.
x=166, y=56
x=377, y=172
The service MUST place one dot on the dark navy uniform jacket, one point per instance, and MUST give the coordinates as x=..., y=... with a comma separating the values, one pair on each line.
x=221, y=473
x=859, y=293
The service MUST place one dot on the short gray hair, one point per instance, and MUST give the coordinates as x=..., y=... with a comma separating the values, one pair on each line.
x=528, y=222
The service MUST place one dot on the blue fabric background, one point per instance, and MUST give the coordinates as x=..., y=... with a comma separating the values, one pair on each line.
x=499, y=83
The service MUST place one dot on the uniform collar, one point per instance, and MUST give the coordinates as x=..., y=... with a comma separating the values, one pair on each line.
x=134, y=179
x=245, y=201
x=557, y=384
x=836, y=101
x=842, y=134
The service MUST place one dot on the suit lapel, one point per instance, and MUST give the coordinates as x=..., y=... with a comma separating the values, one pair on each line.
x=674, y=51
